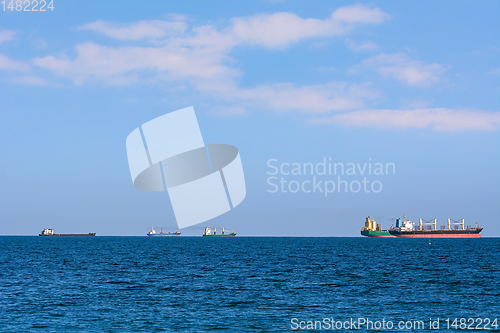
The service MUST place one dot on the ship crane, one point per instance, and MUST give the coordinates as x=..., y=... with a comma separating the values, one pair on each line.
x=230, y=231
x=456, y=222
x=434, y=223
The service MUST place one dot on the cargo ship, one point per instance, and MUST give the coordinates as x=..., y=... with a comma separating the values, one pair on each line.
x=50, y=232
x=209, y=232
x=372, y=229
x=152, y=233
x=428, y=229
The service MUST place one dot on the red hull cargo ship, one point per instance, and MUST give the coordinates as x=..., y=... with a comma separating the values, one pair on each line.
x=428, y=229
x=50, y=232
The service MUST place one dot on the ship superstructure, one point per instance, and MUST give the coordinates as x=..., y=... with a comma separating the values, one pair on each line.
x=209, y=232
x=372, y=229
x=152, y=232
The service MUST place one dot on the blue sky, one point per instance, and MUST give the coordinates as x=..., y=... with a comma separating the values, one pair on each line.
x=410, y=83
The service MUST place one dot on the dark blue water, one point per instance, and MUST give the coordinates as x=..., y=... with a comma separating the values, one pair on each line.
x=195, y=284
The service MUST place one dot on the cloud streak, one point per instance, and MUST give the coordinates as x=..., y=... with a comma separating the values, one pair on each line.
x=438, y=119
x=366, y=46
x=8, y=64
x=152, y=29
x=495, y=71
x=278, y=30
x=6, y=35
x=126, y=65
x=400, y=67
x=323, y=98
x=28, y=80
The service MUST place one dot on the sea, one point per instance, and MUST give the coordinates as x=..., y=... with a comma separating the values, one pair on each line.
x=248, y=284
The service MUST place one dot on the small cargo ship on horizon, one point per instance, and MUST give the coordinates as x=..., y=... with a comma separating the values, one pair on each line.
x=408, y=229
x=213, y=233
x=50, y=232
x=152, y=233
x=372, y=229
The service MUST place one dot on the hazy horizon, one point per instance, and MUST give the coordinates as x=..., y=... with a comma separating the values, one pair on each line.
x=291, y=82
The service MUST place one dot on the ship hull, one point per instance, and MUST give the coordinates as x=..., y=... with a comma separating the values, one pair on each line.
x=438, y=236
x=91, y=234
x=370, y=233
x=228, y=235
x=438, y=233
x=165, y=235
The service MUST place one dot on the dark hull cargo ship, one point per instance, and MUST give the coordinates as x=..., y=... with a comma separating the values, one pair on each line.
x=50, y=232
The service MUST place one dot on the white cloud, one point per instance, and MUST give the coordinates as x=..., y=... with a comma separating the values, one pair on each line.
x=270, y=30
x=201, y=53
x=6, y=35
x=126, y=65
x=200, y=57
x=400, y=67
x=280, y=29
x=439, y=119
x=360, y=14
x=12, y=65
x=143, y=29
x=366, y=46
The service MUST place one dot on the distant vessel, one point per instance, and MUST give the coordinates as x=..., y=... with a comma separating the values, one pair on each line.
x=153, y=233
x=372, y=229
x=212, y=233
x=407, y=229
x=50, y=232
